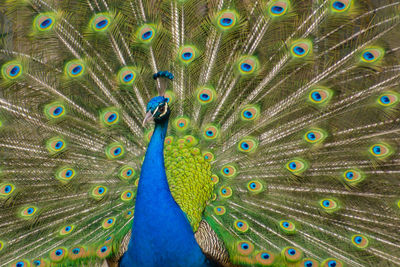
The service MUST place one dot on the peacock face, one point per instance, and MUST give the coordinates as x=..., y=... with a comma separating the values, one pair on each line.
x=157, y=109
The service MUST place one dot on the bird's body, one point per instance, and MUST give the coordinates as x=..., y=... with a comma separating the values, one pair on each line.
x=275, y=139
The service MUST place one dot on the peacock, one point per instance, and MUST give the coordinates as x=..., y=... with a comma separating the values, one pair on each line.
x=200, y=133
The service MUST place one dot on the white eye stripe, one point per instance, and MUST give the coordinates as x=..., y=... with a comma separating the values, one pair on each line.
x=155, y=111
x=165, y=109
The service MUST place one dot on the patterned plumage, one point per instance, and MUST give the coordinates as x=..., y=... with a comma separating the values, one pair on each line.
x=281, y=150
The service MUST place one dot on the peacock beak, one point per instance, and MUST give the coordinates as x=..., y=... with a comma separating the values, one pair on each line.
x=148, y=117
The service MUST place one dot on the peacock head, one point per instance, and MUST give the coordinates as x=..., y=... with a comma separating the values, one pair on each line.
x=157, y=109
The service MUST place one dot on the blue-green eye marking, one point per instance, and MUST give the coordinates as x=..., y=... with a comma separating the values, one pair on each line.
x=147, y=35
x=226, y=21
x=293, y=165
x=385, y=100
x=292, y=251
x=76, y=250
x=14, y=71
x=299, y=50
x=187, y=56
x=265, y=256
x=246, y=67
x=377, y=150
x=339, y=5
x=277, y=9
x=101, y=24
x=332, y=263
x=326, y=203
x=311, y=136
x=316, y=96
x=46, y=23
x=59, y=252
x=368, y=56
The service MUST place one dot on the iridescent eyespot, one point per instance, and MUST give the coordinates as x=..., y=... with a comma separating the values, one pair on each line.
x=301, y=48
x=340, y=5
x=28, y=212
x=128, y=214
x=187, y=54
x=65, y=174
x=329, y=205
x=359, y=241
x=126, y=75
x=54, y=110
x=108, y=223
x=247, y=65
x=241, y=226
x=219, y=210
x=169, y=96
x=103, y=251
x=287, y=226
x=21, y=263
x=320, y=95
x=210, y=132
x=109, y=117
x=255, y=186
x=55, y=145
x=309, y=263
x=208, y=156
x=77, y=252
x=127, y=195
x=227, y=19
x=181, y=124
x=250, y=113
x=331, y=263
x=297, y=166
x=100, y=22
x=353, y=176
x=66, y=230
x=115, y=151
x=315, y=136
x=292, y=254
x=127, y=172
x=248, y=145
x=229, y=171
x=6, y=189
x=214, y=179
x=266, y=258
x=245, y=247
x=58, y=254
x=372, y=54
x=381, y=150
x=40, y=262
x=74, y=68
x=205, y=95
x=389, y=99
x=98, y=192
x=278, y=8
x=225, y=192
x=44, y=21
x=11, y=70
x=146, y=33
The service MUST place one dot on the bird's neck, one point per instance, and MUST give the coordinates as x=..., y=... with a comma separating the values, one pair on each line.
x=161, y=233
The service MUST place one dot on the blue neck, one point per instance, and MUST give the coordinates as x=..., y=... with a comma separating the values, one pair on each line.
x=161, y=234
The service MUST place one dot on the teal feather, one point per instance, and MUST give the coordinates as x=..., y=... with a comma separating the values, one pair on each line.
x=282, y=148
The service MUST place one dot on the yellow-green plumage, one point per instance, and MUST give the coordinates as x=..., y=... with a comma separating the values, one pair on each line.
x=283, y=141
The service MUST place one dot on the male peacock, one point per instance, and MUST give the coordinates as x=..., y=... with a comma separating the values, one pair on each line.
x=282, y=144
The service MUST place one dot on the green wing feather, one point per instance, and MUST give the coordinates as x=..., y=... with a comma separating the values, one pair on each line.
x=284, y=133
